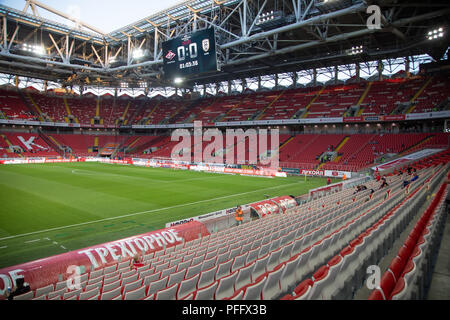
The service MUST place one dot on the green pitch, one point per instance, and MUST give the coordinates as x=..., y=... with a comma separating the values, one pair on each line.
x=49, y=209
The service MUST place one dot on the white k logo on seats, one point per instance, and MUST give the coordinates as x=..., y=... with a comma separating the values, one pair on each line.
x=28, y=144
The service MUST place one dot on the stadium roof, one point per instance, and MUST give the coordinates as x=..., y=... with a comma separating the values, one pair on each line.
x=300, y=35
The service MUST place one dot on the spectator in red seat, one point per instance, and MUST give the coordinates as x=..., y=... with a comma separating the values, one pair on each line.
x=137, y=263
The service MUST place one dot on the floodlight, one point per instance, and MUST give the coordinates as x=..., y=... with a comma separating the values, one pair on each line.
x=39, y=50
x=436, y=33
x=270, y=16
x=355, y=50
x=138, y=53
x=36, y=49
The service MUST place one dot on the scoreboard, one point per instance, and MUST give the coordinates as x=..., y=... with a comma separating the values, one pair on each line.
x=190, y=54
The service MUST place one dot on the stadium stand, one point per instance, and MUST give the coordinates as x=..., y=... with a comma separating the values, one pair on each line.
x=13, y=107
x=285, y=256
x=409, y=273
x=334, y=101
x=365, y=249
x=434, y=96
x=386, y=97
x=82, y=108
x=361, y=150
x=351, y=152
x=30, y=145
x=51, y=108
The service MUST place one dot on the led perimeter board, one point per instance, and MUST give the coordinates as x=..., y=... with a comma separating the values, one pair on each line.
x=190, y=54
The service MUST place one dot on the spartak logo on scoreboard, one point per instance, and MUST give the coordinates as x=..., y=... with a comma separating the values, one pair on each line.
x=170, y=55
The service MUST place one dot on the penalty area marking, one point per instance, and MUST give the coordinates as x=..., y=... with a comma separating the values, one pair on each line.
x=56, y=243
x=144, y=212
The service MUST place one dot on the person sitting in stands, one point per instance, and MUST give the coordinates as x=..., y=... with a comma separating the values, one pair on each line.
x=21, y=288
x=358, y=189
x=137, y=263
x=384, y=184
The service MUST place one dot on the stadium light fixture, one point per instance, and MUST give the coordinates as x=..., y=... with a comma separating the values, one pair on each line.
x=435, y=34
x=178, y=80
x=138, y=53
x=36, y=49
x=268, y=17
x=356, y=50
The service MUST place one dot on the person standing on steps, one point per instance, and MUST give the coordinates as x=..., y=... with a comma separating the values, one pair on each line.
x=239, y=216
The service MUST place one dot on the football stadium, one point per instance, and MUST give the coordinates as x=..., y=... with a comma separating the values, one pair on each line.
x=226, y=150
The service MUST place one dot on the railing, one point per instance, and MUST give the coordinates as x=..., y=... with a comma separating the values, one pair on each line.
x=312, y=166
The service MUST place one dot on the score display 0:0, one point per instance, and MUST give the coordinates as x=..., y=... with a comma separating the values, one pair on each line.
x=181, y=50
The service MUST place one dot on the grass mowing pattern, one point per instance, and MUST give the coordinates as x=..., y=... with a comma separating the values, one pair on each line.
x=101, y=203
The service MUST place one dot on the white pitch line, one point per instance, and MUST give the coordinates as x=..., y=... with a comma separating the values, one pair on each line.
x=56, y=243
x=35, y=240
x=148, y=211
x=4, y=247
x=88, y=173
